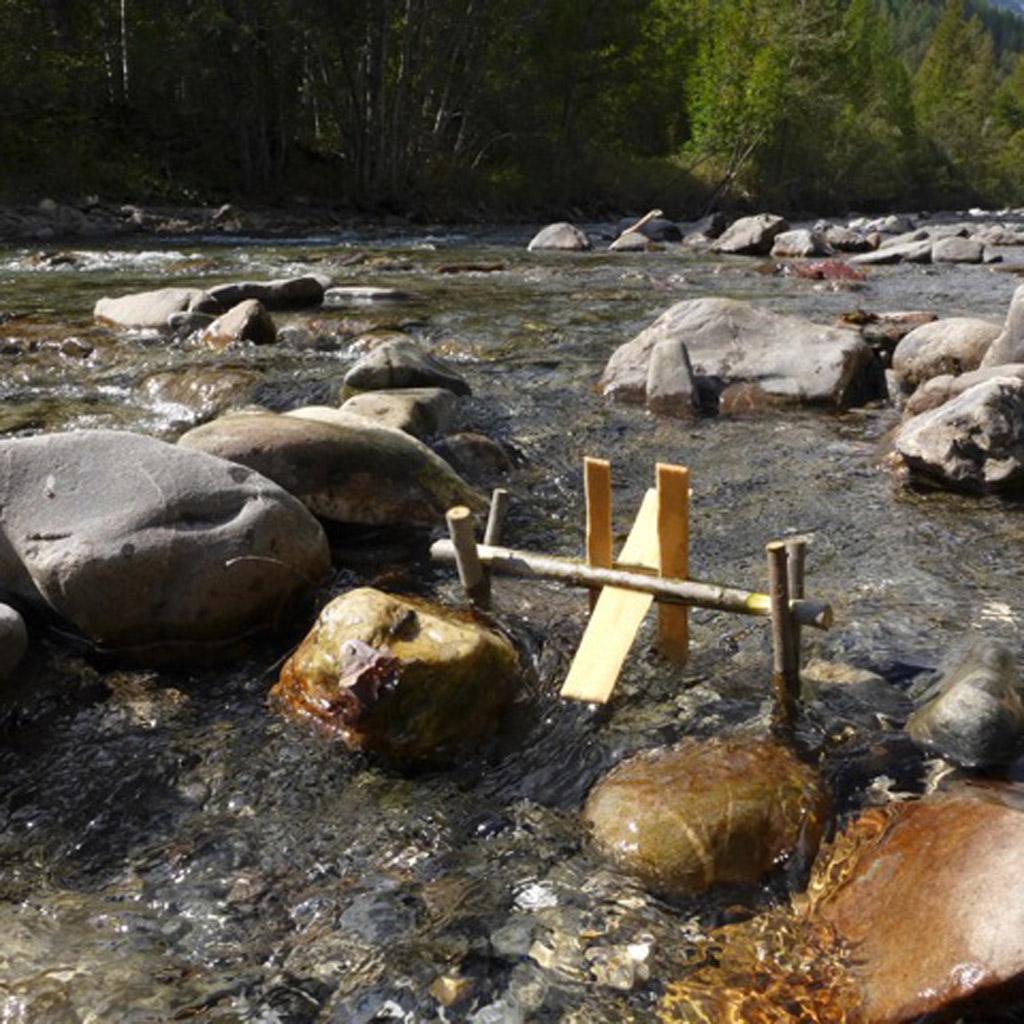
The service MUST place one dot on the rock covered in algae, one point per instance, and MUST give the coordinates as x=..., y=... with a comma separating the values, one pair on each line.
x=399, y=675
x=706, y=812
x=350, y=470
x=915, y=909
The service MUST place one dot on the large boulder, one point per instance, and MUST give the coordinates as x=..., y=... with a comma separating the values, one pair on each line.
x=1009, y=346
x=148, y=548
x=153, y=309
x=974, y=442
x=351, y=470
x=974, y=714
x=955, y=345
x=846, y=240
x=402, y=363
x=907, y=252
x=561, y=236
x=706, y=812
x=955, y=249
x=248, y=321
x=916, y=909
x=398, y=675
x=751, y=236
x=728, y=340
x=801, y=243
x=283, y=293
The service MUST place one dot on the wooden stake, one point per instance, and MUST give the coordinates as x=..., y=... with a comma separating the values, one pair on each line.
x=496, y=517
x=471, y=572
x=645, y=219
x=632, y=576
x=785, y=675
x=616, y=617
x=674, y=556
x=796, y=560
x=597, y=475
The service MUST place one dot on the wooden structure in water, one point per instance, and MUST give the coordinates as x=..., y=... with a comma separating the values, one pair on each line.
x=652, y=567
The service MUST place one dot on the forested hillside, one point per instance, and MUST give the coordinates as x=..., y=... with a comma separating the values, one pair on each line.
x=452, y=107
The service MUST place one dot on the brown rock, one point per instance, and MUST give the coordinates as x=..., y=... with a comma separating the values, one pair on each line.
x=248, y=321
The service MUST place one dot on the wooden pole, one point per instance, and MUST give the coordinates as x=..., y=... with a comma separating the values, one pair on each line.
x=674, y=556
x=785, y=675
x=573, y=572
x=796, y=561
x=496, y=517
x=597, y=476
x=471, y=571
x=645, y=219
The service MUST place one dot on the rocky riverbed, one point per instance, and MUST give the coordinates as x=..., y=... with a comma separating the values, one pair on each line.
x=171, y=847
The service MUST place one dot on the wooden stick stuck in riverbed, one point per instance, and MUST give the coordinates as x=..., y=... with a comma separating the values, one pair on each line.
x=785, y=669
x=474, y=580
x=674, y=560
x=597, y=478
x=645, y=219
x=796, y=561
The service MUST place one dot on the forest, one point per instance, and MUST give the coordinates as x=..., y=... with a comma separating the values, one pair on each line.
x=465, y=108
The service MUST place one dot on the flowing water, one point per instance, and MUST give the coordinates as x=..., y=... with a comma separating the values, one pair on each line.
x=170, y=850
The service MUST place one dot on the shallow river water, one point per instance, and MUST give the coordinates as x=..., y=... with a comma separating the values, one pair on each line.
x=170, y=850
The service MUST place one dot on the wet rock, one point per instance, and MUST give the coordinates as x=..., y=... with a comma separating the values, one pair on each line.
x=955, y=345
x=153, y=309
x=792, y=360
x=283, y=293
x=939, y=390
x=801, y=243
x=884, y=331
x=422, y=412
x=974, y=442
x=907, y=238
x=1009, y=346
x=13, y=640
x=910, y=252
x=631, y=241
x=144, y=547
x=746, y=399
x=184, y=324
x=658, y=229
x=671, y=389
x=399, y=676
x=351, y=470
x=974, y=715
x=958, y=250
x=892, y=224
x=707, y=812
x=826, y=270
x=201, y=392
x=357, y=295
x=870, y=886
x=751, y=236
x=401, y=363
x=845, y=240
x=476, y=456
x=248, y=321
x=561, y=236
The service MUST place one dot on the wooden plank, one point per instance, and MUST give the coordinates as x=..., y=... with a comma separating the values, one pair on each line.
x=674, y=560
x=597, y=476
x=616, y=617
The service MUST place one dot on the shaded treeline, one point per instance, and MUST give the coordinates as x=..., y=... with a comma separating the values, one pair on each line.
x=453, y=106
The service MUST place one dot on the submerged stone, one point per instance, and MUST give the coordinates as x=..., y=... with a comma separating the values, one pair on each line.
x=707, y=812
x=398, y=675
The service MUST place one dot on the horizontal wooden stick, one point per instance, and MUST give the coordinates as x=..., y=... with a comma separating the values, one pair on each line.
x=633, y=577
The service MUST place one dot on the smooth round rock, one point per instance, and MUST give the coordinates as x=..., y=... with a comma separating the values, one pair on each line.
x=561, y=236
x=707, y=812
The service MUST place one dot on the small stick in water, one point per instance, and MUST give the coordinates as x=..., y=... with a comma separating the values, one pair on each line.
x=785, y=675
x=474, y=580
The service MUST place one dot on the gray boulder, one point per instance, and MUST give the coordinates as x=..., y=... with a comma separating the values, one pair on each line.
x=13, y=641
x=422, y=412
x=974, y=442
x=939, y=390
x=846, y=240
x=283, y=293
x=671, y=389
x=561, y=236
x=351, y=470
x=248, y=321
x=153, y=309
x=801, y=243
x=401, y=363
x=751, y=236
x=974, y=714
x=909, y=252
x=958, y=250
x=793, y=360
x=954, y=345
x=158, y=552
x=1009, y=346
